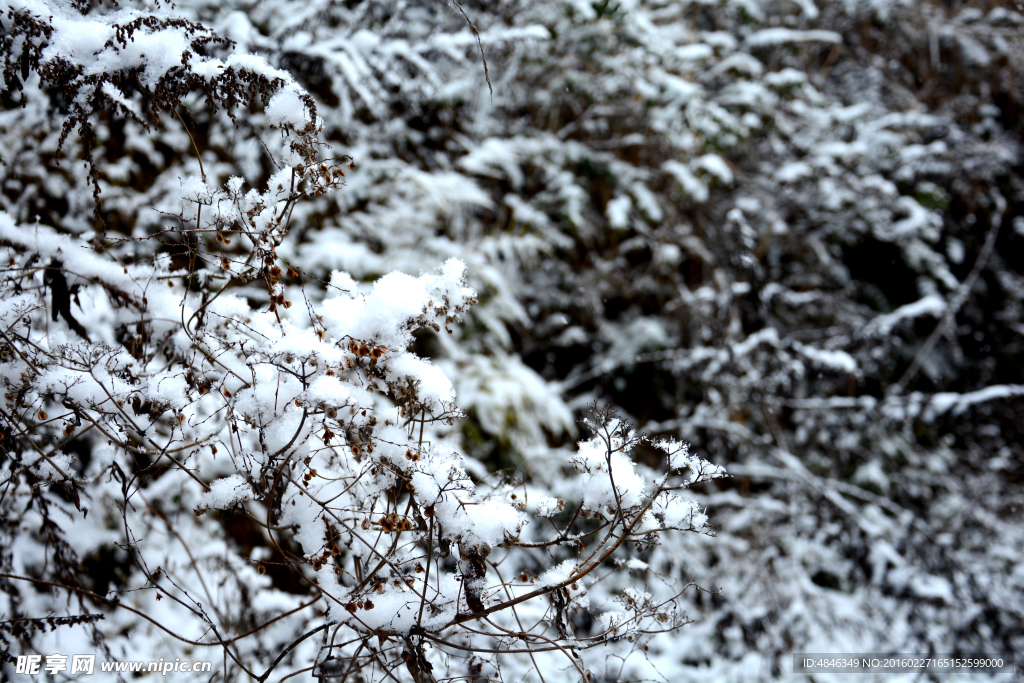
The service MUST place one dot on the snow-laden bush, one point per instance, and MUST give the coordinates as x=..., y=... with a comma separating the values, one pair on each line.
x=212, y=453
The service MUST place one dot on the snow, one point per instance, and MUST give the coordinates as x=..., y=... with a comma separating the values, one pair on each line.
x=484, y=523
x=558, y=574
x=226, y=493
x=770, y=37
x=794, y=172
x=944, y=402
x=932, y=305
x=286, y=109
x=715, y=166
x=836, y=360
x=599, y=470
x=691, y=184
x=618, y=212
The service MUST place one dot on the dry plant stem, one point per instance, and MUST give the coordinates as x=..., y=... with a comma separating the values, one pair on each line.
x=32, y=443
x=516, y=615
x=958, y=299
x=479, y=45
x=541, y=636
x=426, y=575
x=290, y=647
x=575, y=577
x=110, y=601
x=184, y=545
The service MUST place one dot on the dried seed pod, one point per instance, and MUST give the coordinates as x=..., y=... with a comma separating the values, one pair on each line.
x=292, y=272
x=261, y=569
